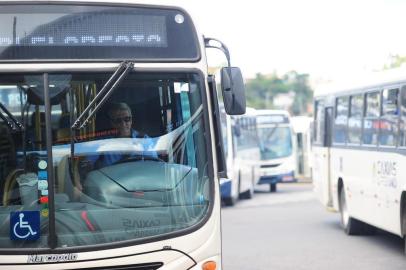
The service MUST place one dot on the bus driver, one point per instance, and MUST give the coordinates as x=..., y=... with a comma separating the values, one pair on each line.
x=120, y=117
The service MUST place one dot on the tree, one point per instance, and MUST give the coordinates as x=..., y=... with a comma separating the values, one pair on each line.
x=261, y=90
x=395, y=61
x=303, y=93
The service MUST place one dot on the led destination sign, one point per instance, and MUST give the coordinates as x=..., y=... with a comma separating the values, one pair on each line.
x=51, y=32
x=272, y=119
x=94, y=29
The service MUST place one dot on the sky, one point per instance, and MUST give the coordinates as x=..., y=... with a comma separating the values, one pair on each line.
x=323, y=38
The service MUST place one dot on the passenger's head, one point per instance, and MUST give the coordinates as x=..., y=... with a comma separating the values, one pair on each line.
x=120, y=118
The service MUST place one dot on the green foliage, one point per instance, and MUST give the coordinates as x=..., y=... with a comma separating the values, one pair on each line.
x=395, y=61
x=261, y=91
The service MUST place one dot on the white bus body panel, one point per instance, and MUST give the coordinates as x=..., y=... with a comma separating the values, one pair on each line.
x=202, y=245
x=321, y=175
x=241, y=168
x=373, y=192
x=279, y=166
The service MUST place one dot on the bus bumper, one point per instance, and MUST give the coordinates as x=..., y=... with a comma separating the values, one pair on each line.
x=225, y=188
x=279, y=178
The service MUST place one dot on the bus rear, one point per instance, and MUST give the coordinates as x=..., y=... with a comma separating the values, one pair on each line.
x=278, y=160
x=108, y=146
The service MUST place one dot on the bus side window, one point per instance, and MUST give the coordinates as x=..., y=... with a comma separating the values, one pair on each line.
x=319, y=122
x=389, y=120
x=402, y=126
x=371, y=118
x=341, y=119
x=354, y=121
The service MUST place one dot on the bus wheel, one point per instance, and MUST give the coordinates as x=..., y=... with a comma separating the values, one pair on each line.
x=351, y=225
x=404, y=240
x=248, y=194
x=347, y=222
x=272, y=187
x=404, y=227
x=230, y=201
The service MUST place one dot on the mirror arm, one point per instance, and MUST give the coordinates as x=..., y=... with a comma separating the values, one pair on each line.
x=222, y=47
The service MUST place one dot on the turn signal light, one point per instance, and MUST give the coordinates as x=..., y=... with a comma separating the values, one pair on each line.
x=210, y=265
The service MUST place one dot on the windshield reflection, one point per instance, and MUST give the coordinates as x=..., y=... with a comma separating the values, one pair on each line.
x=275, y=142
x=138, y=168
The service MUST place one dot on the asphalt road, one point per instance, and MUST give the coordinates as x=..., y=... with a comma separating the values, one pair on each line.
x=291, y=230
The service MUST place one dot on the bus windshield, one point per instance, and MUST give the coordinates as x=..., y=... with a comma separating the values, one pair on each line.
x=138, y=169
x=275, y=142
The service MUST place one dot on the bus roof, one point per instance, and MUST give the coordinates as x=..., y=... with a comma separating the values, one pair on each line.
x=157, y=3
x=363, y=81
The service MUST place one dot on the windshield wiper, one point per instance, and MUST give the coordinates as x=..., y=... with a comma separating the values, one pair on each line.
x=272, y=132
x=106, y=91
x=11, y=124
x=103, y=95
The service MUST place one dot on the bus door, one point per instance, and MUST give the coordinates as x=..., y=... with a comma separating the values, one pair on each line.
x=327, y=141
x=321, y=151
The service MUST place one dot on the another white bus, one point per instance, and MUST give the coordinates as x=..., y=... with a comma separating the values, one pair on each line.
x=277, y=155
x=242, y=155
x=110, y=148
x=359, y=152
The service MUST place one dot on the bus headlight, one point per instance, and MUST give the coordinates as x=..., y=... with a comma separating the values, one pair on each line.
x=209, y=265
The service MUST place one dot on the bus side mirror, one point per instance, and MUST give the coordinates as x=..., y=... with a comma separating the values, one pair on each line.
x=232, y=87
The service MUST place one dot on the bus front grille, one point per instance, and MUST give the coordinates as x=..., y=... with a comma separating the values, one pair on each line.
x=270, y=165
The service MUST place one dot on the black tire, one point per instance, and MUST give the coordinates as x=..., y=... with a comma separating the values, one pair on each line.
x=404, y=244
x=233, y=200
x=229, y=201
x=351, y=225
x=404, y=227
x=272, y=187
x=246, y=194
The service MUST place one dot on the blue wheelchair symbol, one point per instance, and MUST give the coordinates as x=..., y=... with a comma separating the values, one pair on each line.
x=25, y=225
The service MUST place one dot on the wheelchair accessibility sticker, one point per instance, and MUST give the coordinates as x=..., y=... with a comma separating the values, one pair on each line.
x=25, y=225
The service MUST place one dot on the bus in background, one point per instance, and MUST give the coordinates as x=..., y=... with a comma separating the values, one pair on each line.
x=359, y=148
x=110, y=148
x=302, y=133
x=241, y=153
x=277, y=155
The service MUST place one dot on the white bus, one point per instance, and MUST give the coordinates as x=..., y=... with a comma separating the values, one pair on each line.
x=242, y=155
x=110, y=148
x=277, y=156
x=359, y=148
